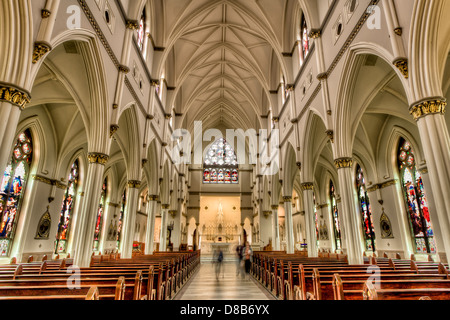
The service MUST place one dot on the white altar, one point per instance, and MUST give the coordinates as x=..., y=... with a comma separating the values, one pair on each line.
x=220, y=233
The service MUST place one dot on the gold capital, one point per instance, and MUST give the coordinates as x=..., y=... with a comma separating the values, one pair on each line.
x=432, y=106
x=99, y=158
x=14, y=95
x=40, y=49
x=402, y=65
x=343, y=163
x=134, y=184
x=287, y=199
x=307, y=186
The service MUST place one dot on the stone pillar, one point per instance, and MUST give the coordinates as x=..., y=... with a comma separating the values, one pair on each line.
x=86, y=221
x=289, y=225
x=434, y=134
x=129, y=219
x=164, y=218
x=151, y=214
x=348, y=216
x=276, y=228
x=12, y=101
x=310, y=222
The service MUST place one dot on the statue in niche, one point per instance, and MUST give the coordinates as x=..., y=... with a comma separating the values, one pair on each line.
x=386, y=226
x=111, y=231
x=323, y=231
x=44, y=225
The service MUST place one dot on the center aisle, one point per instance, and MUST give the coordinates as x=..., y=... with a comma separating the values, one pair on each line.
x=204, y=285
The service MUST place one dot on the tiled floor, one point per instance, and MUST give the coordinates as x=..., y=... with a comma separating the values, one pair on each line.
x=204, y=285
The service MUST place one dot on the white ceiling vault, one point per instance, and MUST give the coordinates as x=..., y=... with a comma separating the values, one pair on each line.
x=223, y=58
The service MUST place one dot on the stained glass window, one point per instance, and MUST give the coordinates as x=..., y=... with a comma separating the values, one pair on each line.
x=65, y=216
x=141, y=31
x=305, y=41
x=122, y=212
x=415, y=200
x=366, y=213
x=13, y=189
x=220, y=165
x=335, y=214
x=100, y=214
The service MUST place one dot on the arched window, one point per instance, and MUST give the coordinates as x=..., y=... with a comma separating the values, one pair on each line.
x=141, y=30
x=364, y=206
x=13, y=189
x=100, y=213
x=415, y=200
x=220, y=165
x=121, y=215
x=335, y=214
x=65, y=216
x=304, y=43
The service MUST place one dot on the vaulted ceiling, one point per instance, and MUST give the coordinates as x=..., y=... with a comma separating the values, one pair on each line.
x=223, y=58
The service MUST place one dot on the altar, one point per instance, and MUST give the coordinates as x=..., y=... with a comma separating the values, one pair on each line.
x=220, y=232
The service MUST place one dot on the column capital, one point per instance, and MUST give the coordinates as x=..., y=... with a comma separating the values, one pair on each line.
x=14, y=95
x=274, y=207
x=307, y=186
x=165, y=206
x=134, y=184
x=343, y=163
x=287, y=198
x=132, y=24
x=428, y=106
x=99, y=158
x=153, y=197
x=40, y=49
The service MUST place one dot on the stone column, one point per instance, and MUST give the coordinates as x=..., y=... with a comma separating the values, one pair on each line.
x=151, y=214
x=12, y=102
x=129, y=219
x=276, y=228
x=289, y=225
x=86, y=221
x=348, y=216
x=429, y=114
x=310, y=222
x=164, y=218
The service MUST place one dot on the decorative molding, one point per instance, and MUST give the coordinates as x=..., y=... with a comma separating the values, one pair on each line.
x=402, y=65
x=51, y=182
x=373, y=188
x=426, y=107
x=321, y=206
x=343, y=163
x=134, y=184
x=40, y=50
x=99, y=158
x=193, y=208
x=14, y=95
x=246, y=208
x=115, y=205
x=388, y=183
x=299, y=165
